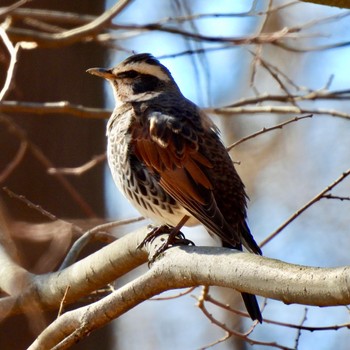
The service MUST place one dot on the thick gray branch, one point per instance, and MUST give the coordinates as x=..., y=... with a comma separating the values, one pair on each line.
x=191, y=266
x=84, y=277
x=185, y=267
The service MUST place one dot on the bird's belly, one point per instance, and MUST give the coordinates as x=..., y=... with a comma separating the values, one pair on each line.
x=150, y=206
x=148, y=198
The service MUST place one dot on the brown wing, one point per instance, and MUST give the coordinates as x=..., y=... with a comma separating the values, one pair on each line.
x=172, y=149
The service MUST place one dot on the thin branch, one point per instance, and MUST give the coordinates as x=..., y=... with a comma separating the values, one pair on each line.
x=331, y=196
x=236, y=108
x=13, y=164
x=226, y=336
x=80, y=170
x=308, y=328
x=15, y=130
x=264, y=130
x=305, y=207
x=303, y=320
x=13, y=51
x=75, y=18
x=300, y=49
x=273, y=72
x=72, y=35
x=229, y=332
x=89, y=31
x=91, y=235
x=29, y=204
x=62, y=107
x=4, y=11
x=310, y=96
x=92, y=26
x=176, y=296
x=63, y=301
x=277, y=110
x=227, y=307
x=244, y=336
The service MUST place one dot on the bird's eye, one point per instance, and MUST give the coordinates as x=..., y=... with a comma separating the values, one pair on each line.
x=128, y=74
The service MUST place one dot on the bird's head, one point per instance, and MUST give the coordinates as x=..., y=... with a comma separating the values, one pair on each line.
x=138, y=78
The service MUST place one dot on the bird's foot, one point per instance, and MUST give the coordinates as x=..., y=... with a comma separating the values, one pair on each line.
x=154, y=233
x=174, y=238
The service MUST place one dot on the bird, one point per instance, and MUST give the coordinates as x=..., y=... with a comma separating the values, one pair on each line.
x=167, y=158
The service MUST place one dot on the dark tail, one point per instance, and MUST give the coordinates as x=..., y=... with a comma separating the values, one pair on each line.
x=248, y=241
x=252, y=306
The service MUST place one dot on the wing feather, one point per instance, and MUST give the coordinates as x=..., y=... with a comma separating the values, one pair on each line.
x=171, y=149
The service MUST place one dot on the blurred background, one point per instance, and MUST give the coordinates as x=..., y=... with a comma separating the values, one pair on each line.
x=305, y=71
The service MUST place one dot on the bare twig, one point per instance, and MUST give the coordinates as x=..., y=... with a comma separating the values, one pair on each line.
x=238, y=107
x=90, y=235
x=38, y=154
x=13, y=51
x=308, y=328
x=272, y=71
x=231, y=332
x=297, y=339
x=90, y=30
x=77, y=171
x=227, y=307
x=12, y=165
x=62, y=107
x=305, y=207
x=178, y=295
x=309, y=96
x=60, y=310
x=331, y=196
x=30, y=204
x=225, y=111
x=72, y=35
x=264, y=130
x=11, y=8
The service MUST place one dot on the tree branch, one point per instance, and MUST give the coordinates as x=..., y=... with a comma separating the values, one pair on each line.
x=80, y=111
x=190, y=266
x=182, y=267
x=225, y=111
x=72, y=35
x=322, y=194
x=62, y=107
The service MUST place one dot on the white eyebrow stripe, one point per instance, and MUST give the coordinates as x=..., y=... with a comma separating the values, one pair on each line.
x=144, y=68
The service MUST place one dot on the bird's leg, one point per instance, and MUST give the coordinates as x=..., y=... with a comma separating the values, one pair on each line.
x=176, y=237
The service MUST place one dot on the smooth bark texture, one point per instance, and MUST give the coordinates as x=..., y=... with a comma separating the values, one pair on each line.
x=181, y=267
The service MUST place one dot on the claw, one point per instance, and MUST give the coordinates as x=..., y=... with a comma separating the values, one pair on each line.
x=155, y=232
x=174, y=238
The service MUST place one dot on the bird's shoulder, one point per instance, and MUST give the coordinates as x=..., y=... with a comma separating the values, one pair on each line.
x=173, y=120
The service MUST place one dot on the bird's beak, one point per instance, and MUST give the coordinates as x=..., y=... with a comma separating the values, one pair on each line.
x=101, y=72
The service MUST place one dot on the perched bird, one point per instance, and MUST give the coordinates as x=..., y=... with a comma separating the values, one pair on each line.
x=166, y=157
